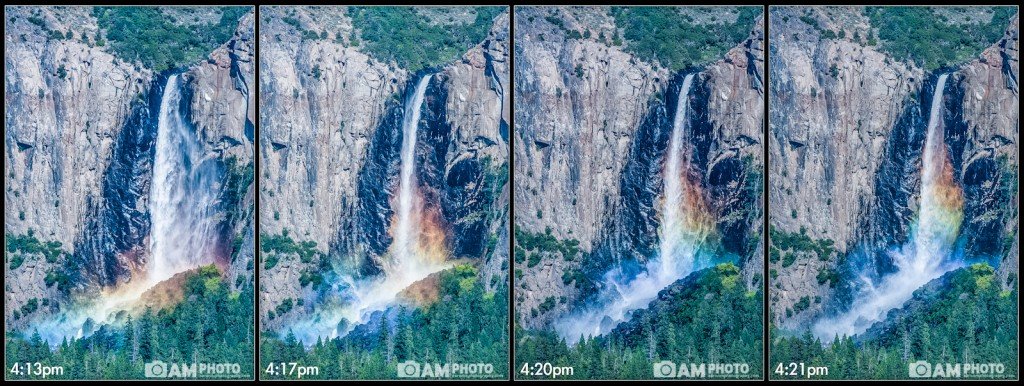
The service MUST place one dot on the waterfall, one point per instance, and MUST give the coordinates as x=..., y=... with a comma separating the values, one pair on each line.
x=406, y=257
x=928, y=253
x=183, y=222
x=415, y=253
x=684, y=226
x=181, y=203
x=675, y=250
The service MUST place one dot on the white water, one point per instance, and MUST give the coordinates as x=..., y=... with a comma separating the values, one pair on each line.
x=181, y=199
x=406, y=254
x=409, y=260
x=675, y=250
x=679, y=243
x=925, y=257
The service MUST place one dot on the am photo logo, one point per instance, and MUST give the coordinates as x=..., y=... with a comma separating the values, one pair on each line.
x=413, y=369
x=925, y=369
x=669, y=369
x=161, y=369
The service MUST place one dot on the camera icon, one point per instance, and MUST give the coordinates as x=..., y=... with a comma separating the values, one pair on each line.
x=664, y=369
x=408, y=369
x=156, y=369
x=920, y=369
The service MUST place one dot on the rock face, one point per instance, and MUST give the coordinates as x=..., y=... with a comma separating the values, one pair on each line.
x=67, y=103
x=987, y=110
x=331, y=128
x=472, y=175
x=592, y=125
x=574, y=132
x=222, y=100
x=321, y=101
x=731, y=155
x=825, y=155
x=81, y=126
x=221, y=93
x=847, y=126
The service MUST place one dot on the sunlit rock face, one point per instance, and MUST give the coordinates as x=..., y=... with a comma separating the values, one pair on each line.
x=904, y=170
x=393, y=174
x=84, y=127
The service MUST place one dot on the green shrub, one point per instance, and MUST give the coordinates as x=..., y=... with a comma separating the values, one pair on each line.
x=547, y=305
x=60, y=278
x=37, y=21
x=546, y=242
x=311, y=277
x=15, y=261
x=830, y=276
x=788, y=259
x=30, y=306
x=285, y=306
x=310, y=35
x=534, y=260
x=520, y=255
x=802, y=304
x=810, y=21
x=270, y=260
x=801, y=242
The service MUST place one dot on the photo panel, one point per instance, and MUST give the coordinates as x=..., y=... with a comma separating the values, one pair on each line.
x=638, y=192
x=384, y=192
x=893, y=192
x=128, y=174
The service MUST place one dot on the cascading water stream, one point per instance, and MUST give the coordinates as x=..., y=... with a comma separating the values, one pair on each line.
x=413, y=255
x=182, y=197
x=675, y=251
x=684, y=226
x=928, y=254
x=408, y=259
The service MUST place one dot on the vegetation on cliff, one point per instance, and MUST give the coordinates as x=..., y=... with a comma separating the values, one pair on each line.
x=930, y=39
x=158, y=40
x=673, y=38
x=414, y=41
